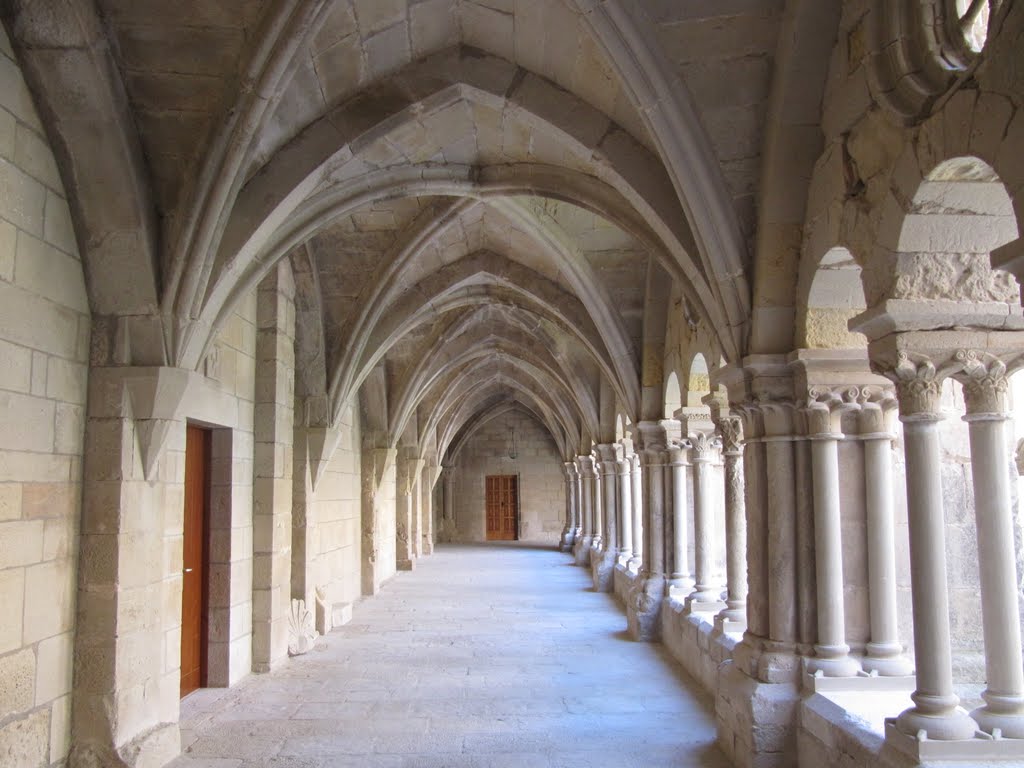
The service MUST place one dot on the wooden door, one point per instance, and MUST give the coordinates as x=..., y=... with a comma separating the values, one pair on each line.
x=194, y=576
x=502, y=507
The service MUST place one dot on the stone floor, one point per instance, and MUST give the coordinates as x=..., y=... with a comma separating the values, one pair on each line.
x=483, y=656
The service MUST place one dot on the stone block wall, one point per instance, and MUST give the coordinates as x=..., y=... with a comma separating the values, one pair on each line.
x=336, y=509
x=231, y=502
x=44, y=353
x=541, y=479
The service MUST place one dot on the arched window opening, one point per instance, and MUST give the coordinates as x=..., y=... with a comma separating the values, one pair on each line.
x=673, y=395
x=698, y=383
x=836, y=295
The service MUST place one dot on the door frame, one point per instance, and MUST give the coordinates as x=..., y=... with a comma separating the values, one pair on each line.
x=204, y=608
x=516, y=514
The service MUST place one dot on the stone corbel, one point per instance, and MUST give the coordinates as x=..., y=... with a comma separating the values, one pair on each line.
x=321, y=443
x=155, y=398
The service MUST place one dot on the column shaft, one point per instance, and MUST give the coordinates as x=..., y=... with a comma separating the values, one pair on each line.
x=707, y=594
x=733, y=617
x=681, y=581
x=984, y=390
x=625, y=511
x=832, y=654
x=884, y=651
x=638, y=514
x=935, y=710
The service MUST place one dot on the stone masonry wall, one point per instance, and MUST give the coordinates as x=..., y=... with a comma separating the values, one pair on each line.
x=44, y=352
x=337, y=514
x=231, y=565
x=541, y=479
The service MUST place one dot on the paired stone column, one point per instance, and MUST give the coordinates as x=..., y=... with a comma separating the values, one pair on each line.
x=680, y=581
x=427, y=478
x=935, y=709
x=406, y=512
x=733, y=618
x=707, y=591
x=603, y=559
x=832, y=654
x=984, y=379
x=596, y=505
x=571, y=507
x=585, y=469
x=643, y=610
x=636, y=481
x=624, y=481
x=884, y=652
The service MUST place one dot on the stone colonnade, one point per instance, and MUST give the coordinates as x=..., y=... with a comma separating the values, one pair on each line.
x=772, y=470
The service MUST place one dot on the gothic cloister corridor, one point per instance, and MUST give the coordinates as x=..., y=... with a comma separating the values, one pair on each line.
x=490, y=656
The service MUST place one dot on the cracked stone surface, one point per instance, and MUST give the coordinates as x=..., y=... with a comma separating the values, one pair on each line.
x=483, y=656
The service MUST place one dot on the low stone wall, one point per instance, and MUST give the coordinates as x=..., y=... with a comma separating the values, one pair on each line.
x=693, y=642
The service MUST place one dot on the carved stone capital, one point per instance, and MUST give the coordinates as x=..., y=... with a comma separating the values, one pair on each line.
x=705, y=446
x=985, y=380
x=918, y=386
x=730, y=429
x=586, y=467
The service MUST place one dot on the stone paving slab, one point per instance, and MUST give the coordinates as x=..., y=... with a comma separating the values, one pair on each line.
x=481, y=657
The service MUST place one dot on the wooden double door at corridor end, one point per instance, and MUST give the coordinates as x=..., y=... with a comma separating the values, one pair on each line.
x=502, y=506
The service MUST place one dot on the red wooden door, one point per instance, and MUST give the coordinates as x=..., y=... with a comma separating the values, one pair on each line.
x=193, y=593
x=502, y=503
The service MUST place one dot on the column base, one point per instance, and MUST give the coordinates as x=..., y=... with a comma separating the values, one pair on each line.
x=833, y=662
x=887, y=666
x=980, y=750
x=680, y=587
x=406, y=565
x=951, y=725
x=731, y=621
x=158, y=746
x=602, y=569
x=697, y=603
x=643, y=609
x=581, y=550
x=566, y=541
x=1009, y=722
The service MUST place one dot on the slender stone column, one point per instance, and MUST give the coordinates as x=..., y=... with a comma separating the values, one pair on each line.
x=884, y=652
x=585, y=467
x=755, y=502
x=832, y=654
x=644, y=608
x=637, y=558
x=733, y=618
x=406, y=529
x=624, y=474
x=680, y=580
x=418, y=526
x=780, y=515
x=603, y=561
x=985, y=383
x=707, y=593
x=571, y=507
x=596, y=505
x=427, y=478
x=935, y=709
x=447, y=530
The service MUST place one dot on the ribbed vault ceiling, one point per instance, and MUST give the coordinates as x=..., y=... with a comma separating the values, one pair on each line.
x=485, y=203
